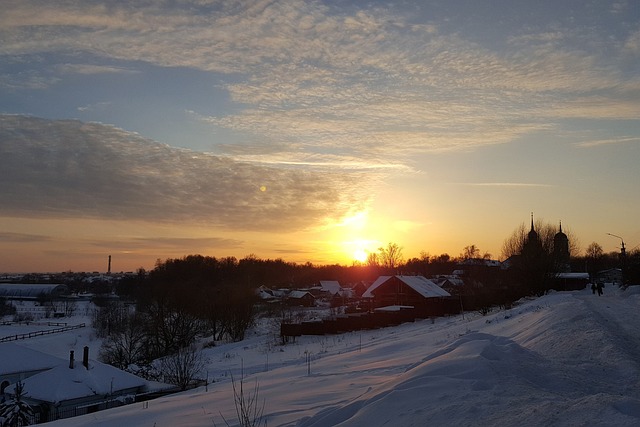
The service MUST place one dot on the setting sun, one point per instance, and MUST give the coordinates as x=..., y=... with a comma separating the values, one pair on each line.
x=360, y=255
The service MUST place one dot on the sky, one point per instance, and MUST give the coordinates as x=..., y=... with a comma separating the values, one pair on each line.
x=311, y=131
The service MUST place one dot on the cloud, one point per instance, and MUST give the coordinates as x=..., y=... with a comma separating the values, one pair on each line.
x=9, y=237
x=164, y=243
x=367, y=84
x=506, y=184
x=93, y=69
x=71, y=169
x=599, y=142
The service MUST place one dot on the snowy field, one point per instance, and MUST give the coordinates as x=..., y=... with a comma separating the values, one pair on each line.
x=566, y=359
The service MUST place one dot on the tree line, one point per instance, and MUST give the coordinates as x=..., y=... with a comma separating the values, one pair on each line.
x=203, y=297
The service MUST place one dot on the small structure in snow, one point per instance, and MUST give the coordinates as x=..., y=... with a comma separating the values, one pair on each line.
x=303, y=298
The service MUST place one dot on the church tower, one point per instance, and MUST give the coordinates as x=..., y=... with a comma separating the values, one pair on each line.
x=561, y=254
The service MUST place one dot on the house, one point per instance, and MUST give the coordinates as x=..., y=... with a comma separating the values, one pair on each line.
x=415, y=291
x=359, y=289
x=331, y=287
x=19, y=363
x=70, y=389
x=302, y=298
x=450, y=283
x=265, y=294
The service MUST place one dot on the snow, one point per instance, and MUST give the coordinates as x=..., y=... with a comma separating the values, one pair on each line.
x=565, y=359
x=16, y=358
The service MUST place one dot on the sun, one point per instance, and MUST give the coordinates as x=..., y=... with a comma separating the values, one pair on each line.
x=360, y=255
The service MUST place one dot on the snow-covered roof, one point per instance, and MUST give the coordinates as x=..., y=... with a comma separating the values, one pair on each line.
x=63, y=383
x=420, y=284
x=299, y=294
x=19, y=290
x=572, y=276
x=332, y=286
x=17, y=359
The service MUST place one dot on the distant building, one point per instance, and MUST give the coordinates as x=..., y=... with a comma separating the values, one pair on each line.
x=416, y=291
x=19, y=291
x=301, y=298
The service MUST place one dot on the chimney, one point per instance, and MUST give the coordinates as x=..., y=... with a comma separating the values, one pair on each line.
x=71, y=359
x=85, y=357
x=109, y=266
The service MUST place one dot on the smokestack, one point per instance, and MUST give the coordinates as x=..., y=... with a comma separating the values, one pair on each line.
x=71, y=359
x=109, y=267
x=85, y=357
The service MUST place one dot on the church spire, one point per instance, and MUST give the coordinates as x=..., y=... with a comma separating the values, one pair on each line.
x=532, y=229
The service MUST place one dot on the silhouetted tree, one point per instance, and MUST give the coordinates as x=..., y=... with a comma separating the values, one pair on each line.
x=128, y=344
x=390, y=257
x=470, y=252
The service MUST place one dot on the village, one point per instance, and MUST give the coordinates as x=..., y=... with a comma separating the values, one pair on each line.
x=56, y=387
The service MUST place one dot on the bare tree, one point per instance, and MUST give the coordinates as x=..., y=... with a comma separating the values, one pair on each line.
x=470, y=252
x=594, y=258
x=182, y=367
x=127, y=345
x=372, y=259
x=390, y=257
x=594, y=251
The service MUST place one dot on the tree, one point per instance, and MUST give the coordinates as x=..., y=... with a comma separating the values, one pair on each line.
x=182, y=367
x=390, y=257
x=593, y=257
x=16, y=412
x=127, y=345
x=470, y=252
x=6, y=307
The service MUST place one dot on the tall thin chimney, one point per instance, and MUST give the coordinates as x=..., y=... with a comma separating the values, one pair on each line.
x=109, y=267
x=85, y=357
x=71, y=359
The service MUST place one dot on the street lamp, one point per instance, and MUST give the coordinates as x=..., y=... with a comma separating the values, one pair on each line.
x=622, y=250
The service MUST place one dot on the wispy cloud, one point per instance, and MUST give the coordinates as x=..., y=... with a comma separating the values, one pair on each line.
x=371, y=83
x=9, y=237
x=72, y=169
x=164, y=243
x=93, y=69
x=506, y=184
x=599, y=142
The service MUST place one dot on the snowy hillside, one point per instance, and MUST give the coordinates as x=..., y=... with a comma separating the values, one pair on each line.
x=563, y=359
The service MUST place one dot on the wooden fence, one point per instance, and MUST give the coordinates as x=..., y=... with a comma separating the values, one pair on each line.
x=40, y=333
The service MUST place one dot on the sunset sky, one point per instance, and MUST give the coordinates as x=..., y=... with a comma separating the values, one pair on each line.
x=311, y=131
